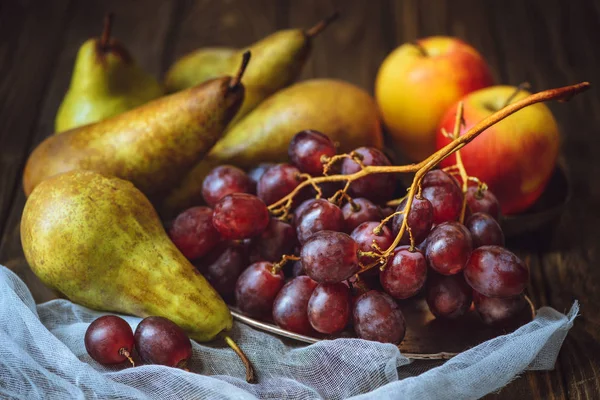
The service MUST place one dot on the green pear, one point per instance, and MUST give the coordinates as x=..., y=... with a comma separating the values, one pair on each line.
x=99, y=241
x=153, y=145
x=277, y=61
x=106, y=81
x=342, y=111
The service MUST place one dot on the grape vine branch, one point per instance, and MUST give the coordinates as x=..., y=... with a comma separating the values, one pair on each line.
x=282, y=207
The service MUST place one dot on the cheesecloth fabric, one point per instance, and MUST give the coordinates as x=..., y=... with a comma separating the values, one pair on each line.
x=42, y=356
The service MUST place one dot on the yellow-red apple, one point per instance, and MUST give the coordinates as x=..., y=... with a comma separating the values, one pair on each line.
x=516, y=156
x=418, y=82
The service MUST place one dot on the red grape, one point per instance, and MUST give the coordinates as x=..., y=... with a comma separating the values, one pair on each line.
x=437, y=177
x=297, y=269
x=377, y=317
x=363, y=236
x=224, y=180
x=449, y=246
x=420, y=219
x=496, y=311
x=496, y=272
x=291, y=304
x=278, y=239
x=483, y=201
x=240, y=216
x=358, y=211
x=446, y=201
x=448, y=296
x=484, y=230
x=193, y=232
x=376, y=187
x=109, y=340
x=257, y=287
x=277, y=182
x=306, y=149
x=160, y=341
x=255, y=173
x=320, y=215
x=405, y=273
x=330, y=257
x=302, y=207
x=329, y=307
x=222, y=267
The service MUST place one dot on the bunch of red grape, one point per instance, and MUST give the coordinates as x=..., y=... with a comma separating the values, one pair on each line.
x=242, y=250
x=110, y=340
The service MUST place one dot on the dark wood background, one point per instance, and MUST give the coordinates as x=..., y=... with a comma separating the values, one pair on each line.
x=545, y=42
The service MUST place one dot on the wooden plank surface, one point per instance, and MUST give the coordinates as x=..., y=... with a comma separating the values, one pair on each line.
x=546, y=42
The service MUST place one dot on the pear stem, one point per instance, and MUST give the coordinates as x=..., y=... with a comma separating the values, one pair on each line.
x=318, y=28
x=105, y=38
x=250, y=375
x=235, y=82
x=522, y=86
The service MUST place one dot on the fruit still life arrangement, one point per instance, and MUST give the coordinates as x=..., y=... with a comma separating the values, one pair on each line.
x=230, y=190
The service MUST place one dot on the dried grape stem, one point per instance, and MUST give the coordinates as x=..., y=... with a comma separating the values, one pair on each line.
x=420, y=169
x=459, y=163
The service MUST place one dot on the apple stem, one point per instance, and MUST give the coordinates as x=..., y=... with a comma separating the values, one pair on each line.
x=321, y=25
x=421, y=49
x=250, y=374
x=522, y=86
x=282, y=206
x=236, y=80
x=105, y=38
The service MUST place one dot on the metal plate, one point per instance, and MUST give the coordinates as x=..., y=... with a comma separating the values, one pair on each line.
x=427, y=338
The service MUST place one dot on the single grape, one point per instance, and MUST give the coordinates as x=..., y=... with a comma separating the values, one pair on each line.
x=377, y=317
x=306, y=149
x=222, y=267
x=278, y=239
x=257, y=287
x=484, y=230
x=159, y=340
x=109, y=340
x=224, y=180
x=448, y=296
x=320, y=215
x=496, y=311
x=193, y=232
x=297, y=269
x=420, y=219
x=446, y=201
x=302, y=207
x=330, y=257
x=437, y=177
x=483, y=201
x=291, y=304
x=255, y=173
x=449, y=246
x=496, y=272
x=277, y=182
x=376, y=187
x=363, y=236
x=329, y=307
x=405, y=273
x=358, y=211
x=240, y=216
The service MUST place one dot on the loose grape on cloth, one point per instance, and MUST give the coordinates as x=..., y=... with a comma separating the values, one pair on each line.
x=42, y=356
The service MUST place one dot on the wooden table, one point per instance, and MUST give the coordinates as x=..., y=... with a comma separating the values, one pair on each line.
x=548, y=43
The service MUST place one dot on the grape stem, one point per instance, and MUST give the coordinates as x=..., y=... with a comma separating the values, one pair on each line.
x=565, y=93
x=284, y=259
x=123, y=351
x=250, y=374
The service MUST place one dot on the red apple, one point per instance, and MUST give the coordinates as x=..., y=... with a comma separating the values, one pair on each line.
x=417, y=83
x=516, y=156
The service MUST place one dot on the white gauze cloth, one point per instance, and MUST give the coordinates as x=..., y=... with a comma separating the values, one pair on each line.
x=42, y=356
